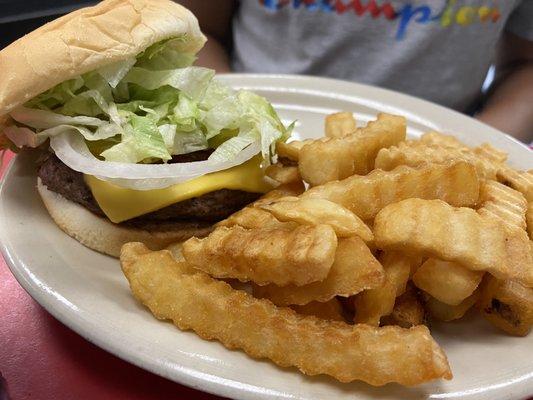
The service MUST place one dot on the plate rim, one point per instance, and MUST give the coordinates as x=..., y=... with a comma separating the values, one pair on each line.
x=217, y=386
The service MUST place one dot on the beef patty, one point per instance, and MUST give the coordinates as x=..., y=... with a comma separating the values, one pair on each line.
x=202, y=210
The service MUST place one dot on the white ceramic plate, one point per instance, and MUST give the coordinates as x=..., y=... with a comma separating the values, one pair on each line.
x=87, y=292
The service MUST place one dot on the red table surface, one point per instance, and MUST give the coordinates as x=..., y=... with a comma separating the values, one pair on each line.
x=40, y=358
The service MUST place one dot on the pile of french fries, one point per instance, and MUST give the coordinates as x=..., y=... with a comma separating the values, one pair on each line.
x=345, y=277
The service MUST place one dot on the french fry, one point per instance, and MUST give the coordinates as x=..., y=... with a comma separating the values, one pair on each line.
x=415, y=154
x=529, y=217
x=518, y=180
x=486, y=150
x=503, y=204
x=264, y=256
x=456, y=183
x=338, y=158
x=311, y=211
x=507, y=305
x=283, y=174
x=291, y=150
x=251, y=217
x=340, y=124
x=135, y=251
x=447, y=281
x=441, y=140
x=408, y=311
x=446, y=312
x=239, y=321
x=373, y=304
x=329, y=310
x=434, y=228
x=354, y=269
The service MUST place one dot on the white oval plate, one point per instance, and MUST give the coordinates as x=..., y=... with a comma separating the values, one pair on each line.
x=87, y=291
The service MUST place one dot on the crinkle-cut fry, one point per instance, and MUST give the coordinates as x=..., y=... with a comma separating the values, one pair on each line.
x=176, y=250
x=133, y=252
x=486, y=150
x=250, y=217
x=354, y=269
x=507, y=305
x=339, y=124
x=408, y=310
x=339, y=158
x=315, y=211
x=371, y=305
x=456, y=183
x=214, y=310
x=446, y=312
x=291, y=150
x=518, y=180
x=503, y=203
x=448, y=282
x=283, y=174
x=299, y=256
x=414, y=154
x=434, y=228
x=529, y=217
x=438, y=139
x=329, y=310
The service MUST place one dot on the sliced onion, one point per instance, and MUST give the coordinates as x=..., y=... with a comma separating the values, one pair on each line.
x=72, y=151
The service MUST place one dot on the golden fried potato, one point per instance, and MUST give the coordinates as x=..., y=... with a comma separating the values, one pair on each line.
x=264, y=256
x=518, y=180
x=446, y=312
x=486, y=150
x=283, y=174
x=441, y=140
x=311, y=211
x=339, y=158
x=448, y=282
x=455, y=183
x=408, y=311
x=354, y=269
x=214, y=310
x=329, y=310
x=340, y=124
x=414, y=154
x=291, y=150
x=138, y=252
x=434, y=228
x=373, y=304
x=283, y=190
x=529, y=217
x=503, y=204
x=250, y=217
x=507, y=305
x=176, y=250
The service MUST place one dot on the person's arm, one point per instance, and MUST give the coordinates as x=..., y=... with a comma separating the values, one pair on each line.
x=215, y=21
x=510, y=106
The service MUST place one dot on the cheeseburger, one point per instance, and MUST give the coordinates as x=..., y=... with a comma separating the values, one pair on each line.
x=138, y=144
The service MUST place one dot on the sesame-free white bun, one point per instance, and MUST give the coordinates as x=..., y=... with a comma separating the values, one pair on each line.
x=88, y=39
x=104, y=236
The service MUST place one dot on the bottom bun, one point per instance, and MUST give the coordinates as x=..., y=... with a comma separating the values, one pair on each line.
x=104, y=236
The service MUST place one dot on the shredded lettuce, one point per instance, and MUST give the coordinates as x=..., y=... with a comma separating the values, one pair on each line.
x=151, y=107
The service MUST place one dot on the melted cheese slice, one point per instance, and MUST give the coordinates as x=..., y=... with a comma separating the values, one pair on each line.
x=120, y=204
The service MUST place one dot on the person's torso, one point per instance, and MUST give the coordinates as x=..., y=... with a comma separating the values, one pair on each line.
x=435, y=49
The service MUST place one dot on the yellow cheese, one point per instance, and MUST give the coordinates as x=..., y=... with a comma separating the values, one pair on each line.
x=120, y=204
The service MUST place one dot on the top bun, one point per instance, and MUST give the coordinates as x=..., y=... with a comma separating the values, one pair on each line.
x=88, y=39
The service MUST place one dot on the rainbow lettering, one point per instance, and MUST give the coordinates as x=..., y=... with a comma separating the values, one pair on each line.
x=407, y=14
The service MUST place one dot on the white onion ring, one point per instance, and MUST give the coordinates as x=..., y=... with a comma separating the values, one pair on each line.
x=73, y=152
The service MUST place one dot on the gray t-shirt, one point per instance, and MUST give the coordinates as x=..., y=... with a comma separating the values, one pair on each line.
x=439, y=50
